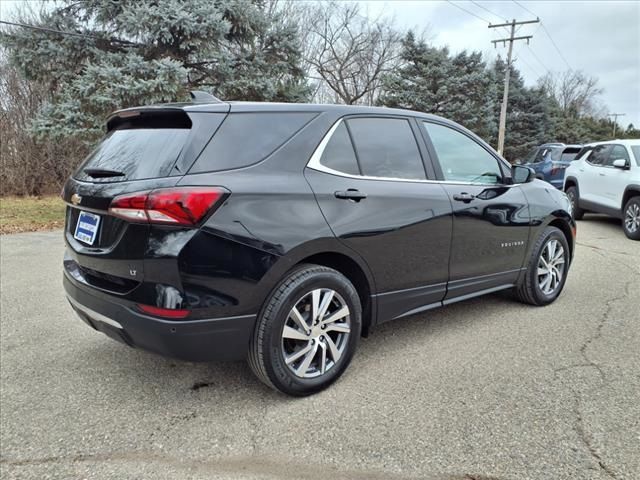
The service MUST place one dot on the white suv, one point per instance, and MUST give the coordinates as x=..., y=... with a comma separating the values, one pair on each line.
x=605, y=178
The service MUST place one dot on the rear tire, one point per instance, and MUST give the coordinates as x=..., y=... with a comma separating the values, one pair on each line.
x=307, y=331
x=547, y=269
x=631, y=218
x=577, y=212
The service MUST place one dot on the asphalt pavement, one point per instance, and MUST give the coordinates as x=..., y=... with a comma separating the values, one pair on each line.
x=485, y=389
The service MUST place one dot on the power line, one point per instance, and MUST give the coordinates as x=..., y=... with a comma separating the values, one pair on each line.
x=525, y=8
x=487, y=10
x=470, y=13
x=547, y=33
x=536, y=57
x=555, y=46
x=73, y=34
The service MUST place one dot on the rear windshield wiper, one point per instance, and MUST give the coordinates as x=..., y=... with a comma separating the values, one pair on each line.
x=103, y=173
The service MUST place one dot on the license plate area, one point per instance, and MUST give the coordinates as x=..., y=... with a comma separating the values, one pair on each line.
x=87, y=227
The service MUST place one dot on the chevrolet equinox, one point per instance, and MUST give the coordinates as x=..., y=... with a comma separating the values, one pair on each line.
x=281, y=233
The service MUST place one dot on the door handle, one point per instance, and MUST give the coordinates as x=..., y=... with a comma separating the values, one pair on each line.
x=350, y=194
x=463, y=197
x=602, y=174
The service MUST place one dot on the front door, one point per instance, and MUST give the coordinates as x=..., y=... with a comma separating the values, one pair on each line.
x=370, y=182
x=491, y=218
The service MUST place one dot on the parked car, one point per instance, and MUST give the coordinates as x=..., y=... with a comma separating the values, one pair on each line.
x=606, y=179
x=284, y=232
x=550, y=160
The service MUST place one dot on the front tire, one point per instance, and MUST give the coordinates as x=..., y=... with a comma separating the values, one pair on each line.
x=631, y=218
x=577, y=212
x=307, y=332
x=547, y=269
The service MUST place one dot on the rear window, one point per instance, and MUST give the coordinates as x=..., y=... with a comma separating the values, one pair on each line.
x=564, y=154
x=247, y=138
x=140, y=147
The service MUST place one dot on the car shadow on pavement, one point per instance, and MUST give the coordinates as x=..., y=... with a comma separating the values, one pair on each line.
x=392, y=339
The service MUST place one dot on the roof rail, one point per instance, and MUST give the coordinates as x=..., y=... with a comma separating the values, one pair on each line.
x=198, y=96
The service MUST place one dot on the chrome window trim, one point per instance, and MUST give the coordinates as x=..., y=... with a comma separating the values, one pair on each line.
x=314, y=164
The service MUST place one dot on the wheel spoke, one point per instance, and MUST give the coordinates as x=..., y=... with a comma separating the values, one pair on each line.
x=339, y=314
x=324, y=305
x=323, y=358
x=294, y=334
x=303, y=351
x=315, y=304
x=339, y=327
x=298, y=319
x=542, y=271
x=304, y=365
x=333, y=349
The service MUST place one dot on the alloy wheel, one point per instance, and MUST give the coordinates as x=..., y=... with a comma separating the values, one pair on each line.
x=316, y=333
x=551, y=267
x=632, y=218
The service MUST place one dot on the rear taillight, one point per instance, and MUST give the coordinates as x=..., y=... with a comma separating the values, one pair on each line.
x=174, y=206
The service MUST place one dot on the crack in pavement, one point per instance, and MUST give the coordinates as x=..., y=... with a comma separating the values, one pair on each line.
x=582, y=432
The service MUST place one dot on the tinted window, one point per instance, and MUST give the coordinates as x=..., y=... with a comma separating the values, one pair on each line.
x=461, y=158
x=338, y=154
x=564, y=154
x=599, y=155
x=247, y=138
x=618, y=152
x=137, y=153
x=386, y=147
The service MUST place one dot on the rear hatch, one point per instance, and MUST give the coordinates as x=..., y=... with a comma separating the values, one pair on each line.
x=144, y=150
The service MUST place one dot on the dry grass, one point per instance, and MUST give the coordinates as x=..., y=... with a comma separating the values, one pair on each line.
x=30, y=214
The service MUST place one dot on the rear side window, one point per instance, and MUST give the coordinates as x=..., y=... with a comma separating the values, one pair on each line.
x=247, y=138
x=599, y=155
x=338, y=154
x=140, y=147
x=386, y=147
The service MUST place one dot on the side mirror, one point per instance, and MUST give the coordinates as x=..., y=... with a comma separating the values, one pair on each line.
x=522, y=174
x=621, y=163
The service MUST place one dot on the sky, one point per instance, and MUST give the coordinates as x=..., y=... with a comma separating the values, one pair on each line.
x=599, y=37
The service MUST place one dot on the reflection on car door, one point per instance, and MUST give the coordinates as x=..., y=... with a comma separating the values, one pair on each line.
x=491, y=219
x=377, y=202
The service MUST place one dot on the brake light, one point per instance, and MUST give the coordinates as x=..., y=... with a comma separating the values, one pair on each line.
x=176, y=206
x=163, y=312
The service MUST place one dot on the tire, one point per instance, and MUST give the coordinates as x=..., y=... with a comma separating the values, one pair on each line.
x=631, y=218
x=532, y=289
x=577, y=212
x=269, y=350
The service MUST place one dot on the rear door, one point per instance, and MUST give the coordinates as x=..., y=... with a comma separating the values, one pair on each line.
x=593, y=182
x=615, y=179
x=491, y=217
x=372, y=186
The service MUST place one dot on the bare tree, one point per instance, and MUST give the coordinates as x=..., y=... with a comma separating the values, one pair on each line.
x=347, y=54
x=576, y=93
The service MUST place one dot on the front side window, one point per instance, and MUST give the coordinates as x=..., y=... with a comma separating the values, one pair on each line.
x=461, y=158
x=339, y=154
x=386, y=147
x=618, y=152
x=599, y=155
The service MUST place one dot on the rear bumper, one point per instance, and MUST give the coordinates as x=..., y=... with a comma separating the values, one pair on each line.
x=191, y=340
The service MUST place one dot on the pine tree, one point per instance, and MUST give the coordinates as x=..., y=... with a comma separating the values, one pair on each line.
x=430, y=80
x=132, y=53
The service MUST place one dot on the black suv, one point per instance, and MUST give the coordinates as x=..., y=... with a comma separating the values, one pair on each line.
x=281, y=233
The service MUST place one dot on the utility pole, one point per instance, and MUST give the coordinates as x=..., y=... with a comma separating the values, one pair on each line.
x=615, y=121
x=507, y=74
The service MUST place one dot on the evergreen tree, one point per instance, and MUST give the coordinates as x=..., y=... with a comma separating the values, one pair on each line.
x=130, y=53
x=459, y=88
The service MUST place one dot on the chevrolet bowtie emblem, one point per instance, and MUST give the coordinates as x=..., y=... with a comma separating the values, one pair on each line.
x=76, y=199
